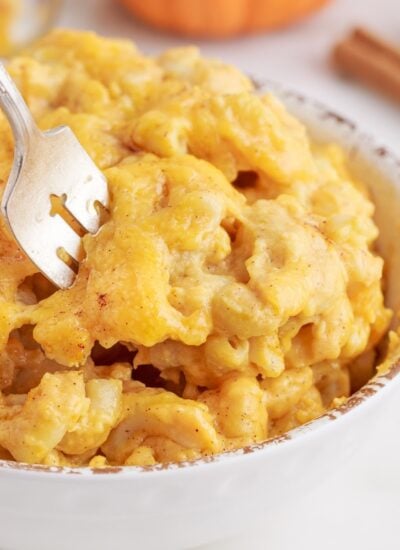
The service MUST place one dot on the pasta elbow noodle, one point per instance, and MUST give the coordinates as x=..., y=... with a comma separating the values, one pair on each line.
x=50, y=411
x=104, y=411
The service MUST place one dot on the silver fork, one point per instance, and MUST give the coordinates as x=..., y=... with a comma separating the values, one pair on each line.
x=46, y=164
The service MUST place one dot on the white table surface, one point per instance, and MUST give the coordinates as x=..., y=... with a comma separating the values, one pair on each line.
x=360, y=508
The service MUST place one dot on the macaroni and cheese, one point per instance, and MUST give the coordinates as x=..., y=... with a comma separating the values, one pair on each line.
x=232, y=292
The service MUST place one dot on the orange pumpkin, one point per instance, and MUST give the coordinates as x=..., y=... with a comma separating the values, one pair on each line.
x=220, y=18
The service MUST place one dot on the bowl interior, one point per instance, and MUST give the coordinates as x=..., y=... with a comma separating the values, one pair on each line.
x=379, y=169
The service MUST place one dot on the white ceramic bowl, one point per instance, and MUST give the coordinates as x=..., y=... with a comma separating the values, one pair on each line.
x=187, y=505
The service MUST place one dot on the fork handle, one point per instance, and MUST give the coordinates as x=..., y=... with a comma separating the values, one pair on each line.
x=16, y=111
x=23, y=127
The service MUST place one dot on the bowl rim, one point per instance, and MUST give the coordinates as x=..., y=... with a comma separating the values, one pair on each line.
x=382, y=156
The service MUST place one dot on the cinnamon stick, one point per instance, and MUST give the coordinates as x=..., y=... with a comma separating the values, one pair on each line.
x=370, y=59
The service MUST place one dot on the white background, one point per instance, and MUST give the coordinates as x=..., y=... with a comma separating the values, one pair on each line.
x=360, y=508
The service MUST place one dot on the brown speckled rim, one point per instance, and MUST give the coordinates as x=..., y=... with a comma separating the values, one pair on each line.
x=382, y=156
x=358, y=399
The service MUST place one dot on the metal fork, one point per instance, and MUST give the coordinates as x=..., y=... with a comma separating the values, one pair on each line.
x=46, y=164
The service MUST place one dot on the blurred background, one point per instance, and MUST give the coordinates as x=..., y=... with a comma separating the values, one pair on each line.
x=295, y=51
x=289, y=41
